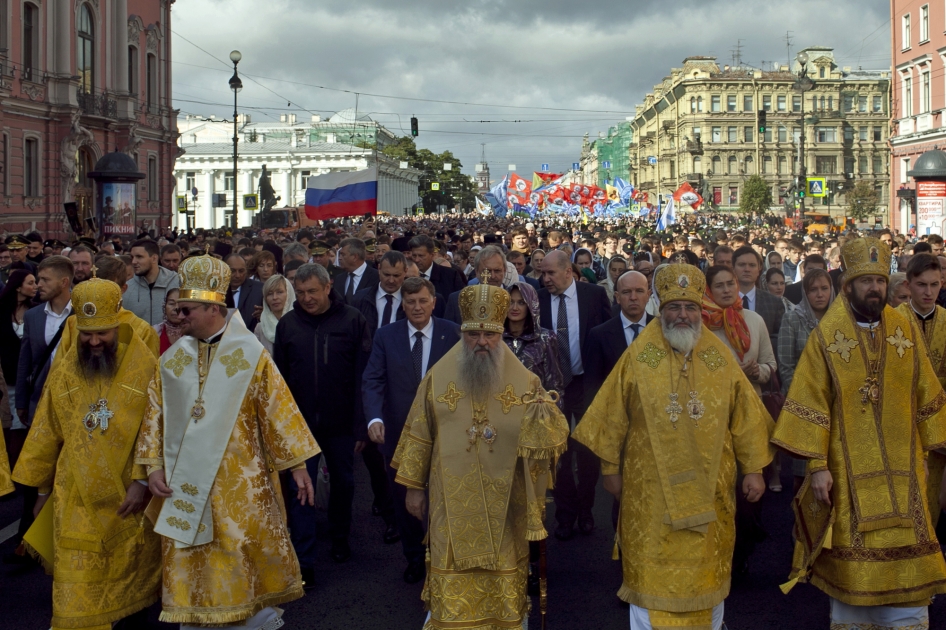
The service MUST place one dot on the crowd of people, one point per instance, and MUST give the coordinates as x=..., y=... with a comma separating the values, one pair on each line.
x=189, y=401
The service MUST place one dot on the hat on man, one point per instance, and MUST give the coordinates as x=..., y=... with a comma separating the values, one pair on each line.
x=318, y=248
x=866, y=256
x=54, y=243
x=483, y=307
x=96, y=303
x=204, y=279
x=680, y=282
x=371, y=245
x=17, y=242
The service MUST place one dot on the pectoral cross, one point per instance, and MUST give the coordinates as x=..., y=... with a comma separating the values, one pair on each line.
x=674, y=409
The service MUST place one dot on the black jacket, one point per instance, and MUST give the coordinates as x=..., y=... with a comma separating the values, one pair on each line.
x=322, y=358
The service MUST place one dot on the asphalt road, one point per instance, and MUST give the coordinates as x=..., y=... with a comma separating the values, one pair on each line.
x=368, y=593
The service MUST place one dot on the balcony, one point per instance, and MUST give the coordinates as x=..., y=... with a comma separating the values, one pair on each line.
x=100, y=104
x=907, y=126
x=694, y=177
x=695, y=147
x=924, y=122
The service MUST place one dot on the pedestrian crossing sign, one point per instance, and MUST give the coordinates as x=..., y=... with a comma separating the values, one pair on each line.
x=182, y=203
x=251, y=202
x=817, y=187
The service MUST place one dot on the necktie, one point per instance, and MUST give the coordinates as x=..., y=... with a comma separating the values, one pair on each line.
x=635, y=330
x=417, y=355
x=350, y=291
x=386, y=317
x=745, y=303
x=564, y=349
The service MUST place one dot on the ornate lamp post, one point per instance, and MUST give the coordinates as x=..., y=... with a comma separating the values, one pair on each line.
x=802, y=85
x=236, y=85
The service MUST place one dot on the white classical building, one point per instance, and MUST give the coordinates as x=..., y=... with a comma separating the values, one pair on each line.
x=292, y=152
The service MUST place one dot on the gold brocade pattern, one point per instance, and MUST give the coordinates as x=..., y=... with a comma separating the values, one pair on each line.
x=451, y=396
x=686, y=569
x=880, y=552
x=6, y=483
x=651, y=355
x=842, y=346
x=807, y=413
x=178, y=362
x=508, y=398
x=235, y=362
x=250, y=564
x=141, y=328
x=104, y=567
x=484, y=505
x=712, y=358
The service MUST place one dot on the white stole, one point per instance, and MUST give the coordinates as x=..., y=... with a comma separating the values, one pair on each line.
x=193, y=450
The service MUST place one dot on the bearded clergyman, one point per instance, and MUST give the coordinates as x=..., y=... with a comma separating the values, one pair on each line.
x=865, y=408
x=481, y=438
x=673, y=424
x=106, y=561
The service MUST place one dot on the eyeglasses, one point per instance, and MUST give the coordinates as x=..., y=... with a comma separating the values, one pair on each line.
x=185, y=311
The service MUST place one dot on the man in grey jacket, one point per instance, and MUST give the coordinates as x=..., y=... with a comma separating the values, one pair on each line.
x=146, y=291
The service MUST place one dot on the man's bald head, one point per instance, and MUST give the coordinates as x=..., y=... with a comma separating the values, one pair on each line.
x=632, y=292
x=556, y=272
x=557, y=259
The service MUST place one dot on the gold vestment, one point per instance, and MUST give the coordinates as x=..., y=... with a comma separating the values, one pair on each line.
x=865, y=407
x=104, y=567
x=141, y=328
x=934, y=336
x=6, y=483
x=676, y=528
x=486, y=489
x=250, y=564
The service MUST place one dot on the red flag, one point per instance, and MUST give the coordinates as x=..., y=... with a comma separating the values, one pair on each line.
x=686, y=194
x=519, y=188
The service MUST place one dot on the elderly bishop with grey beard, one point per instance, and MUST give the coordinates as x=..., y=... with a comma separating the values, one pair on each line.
x=481, y=438
x=673, y=424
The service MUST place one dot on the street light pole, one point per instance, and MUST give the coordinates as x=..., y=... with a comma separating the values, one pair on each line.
x=236, y=85
x=802, y=85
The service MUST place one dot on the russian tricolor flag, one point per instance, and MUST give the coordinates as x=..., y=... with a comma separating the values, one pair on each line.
x=342, y=194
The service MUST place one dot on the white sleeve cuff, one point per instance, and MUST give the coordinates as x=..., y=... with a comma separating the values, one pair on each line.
x=375, y=420
x=143, y=482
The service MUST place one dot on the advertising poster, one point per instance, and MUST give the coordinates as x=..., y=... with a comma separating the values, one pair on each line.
x=118, y=208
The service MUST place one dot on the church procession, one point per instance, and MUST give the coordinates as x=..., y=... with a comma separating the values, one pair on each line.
x=174, y=452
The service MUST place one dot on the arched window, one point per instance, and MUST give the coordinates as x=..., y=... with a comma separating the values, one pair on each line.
x=151, y=83
x=750, y=165
x=697, y=164
x=716, y=165
x=30, y=40
x=85, y=56
x=692, y=105
x=699, y=103
x=133, y=71
x=731, y=167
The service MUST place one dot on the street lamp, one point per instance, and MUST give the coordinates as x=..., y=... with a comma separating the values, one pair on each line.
x=236, y=85
x=802, y=84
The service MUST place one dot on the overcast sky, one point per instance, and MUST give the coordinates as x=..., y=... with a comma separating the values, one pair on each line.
x=563, y=68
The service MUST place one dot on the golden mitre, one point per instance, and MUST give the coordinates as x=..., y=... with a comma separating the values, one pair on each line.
x=680, y=282
x=865, y=257
x=96, y=303
x=483, y=307
x=204, y=279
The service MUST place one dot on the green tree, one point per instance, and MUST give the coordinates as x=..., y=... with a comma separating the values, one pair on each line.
x=455, y=187
x=862, y=201
x=756, y=196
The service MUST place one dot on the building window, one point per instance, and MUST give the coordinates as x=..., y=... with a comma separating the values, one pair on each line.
x=780, y=103
x=766, y=164
x=782, y=165
x=924, y=23
x=862, y=104
x=862, y=164
x=904, y=167
x=848, y=134
x=190, y=181
x=731, y=134
x=750, y=165
x=715, y=103
x=878, y=165
x=133, y=71
x=878, y=134
x=31, y=167
x=717, y=134
x=31, y=30
x=228, y=180
x=697, y=164
x=862, y=134
x=717, y=195
x=717, y=164
x=5, y=175
x=85, y=55
x=747, y=103
x=877, y=105
x=767, y=103
x=826, y=164
x=907, y=96
x=152, y=178
x=767, y=136
x=731, y=103
x=847, y=103
x=692, y=104
x=699, y=104
x=826, y=134
x=733, y=196
x=3, y=25
x=673, y=169
x=821, y=72
x=748, y=133
x=905, y=31
x=848, y=165
x=731, y=165
x=305, y=175
x=696, y=133
x=796, y=103
x=924, y=92
x=782, y=134
x=151, y=78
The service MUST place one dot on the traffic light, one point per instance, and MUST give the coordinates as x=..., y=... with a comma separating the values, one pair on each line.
x=762, y=121
x=414, y=126
x=802, y=187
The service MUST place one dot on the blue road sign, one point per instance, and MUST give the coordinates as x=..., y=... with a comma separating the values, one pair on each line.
x=606, y=164
x=576, y=166
x=545, y=168
x=651, y=160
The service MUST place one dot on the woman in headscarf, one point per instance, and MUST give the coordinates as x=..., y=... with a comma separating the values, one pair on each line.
x=538, y=255
x=774, y=282
x=587, y=275
x=773, y=260
x=797, y=324
x=278, y=298
x=616, y=268
x=653, y=303
x=743, y=331
x=169, y=330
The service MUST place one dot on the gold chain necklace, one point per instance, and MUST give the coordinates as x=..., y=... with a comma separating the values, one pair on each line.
x=198, y=411
x=99, y=414
x=694, y=407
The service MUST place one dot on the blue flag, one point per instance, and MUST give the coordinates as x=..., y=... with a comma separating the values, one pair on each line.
x=497, y=198
x=668, y=217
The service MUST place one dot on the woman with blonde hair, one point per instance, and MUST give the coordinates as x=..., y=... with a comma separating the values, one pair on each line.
x=278, y=298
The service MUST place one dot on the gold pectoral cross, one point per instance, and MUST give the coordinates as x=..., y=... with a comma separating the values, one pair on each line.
x=481, y=428
x=674, y=409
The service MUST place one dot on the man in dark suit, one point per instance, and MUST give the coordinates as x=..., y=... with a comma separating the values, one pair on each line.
x=400, y=356
x=794, y=291
x=606, y=343
x=382, y=305
x=355, y=275
x=244, y=294
x=446, y=280
x=490, y=260
x=571, y=309
x=42, y=327
x=747, y=264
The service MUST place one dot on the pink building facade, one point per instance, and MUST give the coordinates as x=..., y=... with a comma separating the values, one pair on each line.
x=918, y=97
x=79, y=79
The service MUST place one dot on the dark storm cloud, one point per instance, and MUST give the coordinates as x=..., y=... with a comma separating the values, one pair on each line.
x=599, y=55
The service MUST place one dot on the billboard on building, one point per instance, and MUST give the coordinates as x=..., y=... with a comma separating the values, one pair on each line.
x=929, y=207
x=118, y=208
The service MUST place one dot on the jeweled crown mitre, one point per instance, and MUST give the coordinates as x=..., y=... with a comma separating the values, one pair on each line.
x=204, y=279
x=96, y=303
x=680, y=282
x=483, y=307
x=866, y=256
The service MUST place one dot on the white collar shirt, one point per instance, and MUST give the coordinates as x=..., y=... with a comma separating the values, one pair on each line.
x=629, y=334
x=574, y=332
x=380, y=302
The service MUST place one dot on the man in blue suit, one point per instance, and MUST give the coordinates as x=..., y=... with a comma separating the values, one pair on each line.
x=401, y=354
